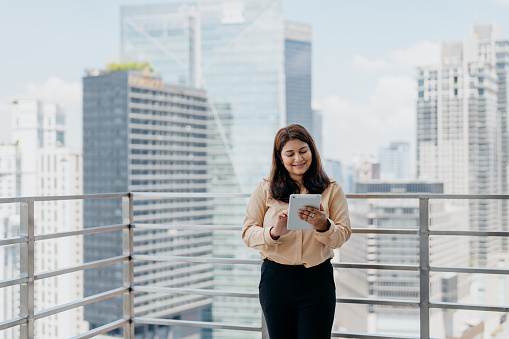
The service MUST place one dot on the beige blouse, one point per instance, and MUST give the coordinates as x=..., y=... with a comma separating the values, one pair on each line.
x=308, y=248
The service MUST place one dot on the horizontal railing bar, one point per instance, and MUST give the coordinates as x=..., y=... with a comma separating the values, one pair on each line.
x=103, y=329
x=354, y=230
x=245, y=195
x=13, y=241
x=470, y=307
x=427, y=196
x=178, y=290
x=258, y=262
x=90, y=230
x=82, y=302
x=471, y=233
x=82, y=267
x=196, y=259
x=385, y=231
x=184, y=226
x=376, y=266
x=368, y=301
x=201, y=324
x=482, y=270
x=13, y=322
x=63, y=197
x=367, y=336
x=12, y=282
x=189, y=195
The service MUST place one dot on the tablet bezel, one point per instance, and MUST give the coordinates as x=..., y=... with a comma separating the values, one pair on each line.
x=297, y=201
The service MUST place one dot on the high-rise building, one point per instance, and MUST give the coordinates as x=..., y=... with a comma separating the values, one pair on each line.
x=334, y=169
x=394, y=161
x=298, y=75
x=462, y=128
x=9, y=227
x=141, y=135
x=403, y=250
x=317, y=131
x=45, y=166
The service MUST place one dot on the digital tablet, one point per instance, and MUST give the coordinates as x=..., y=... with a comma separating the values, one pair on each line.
x=297, y=201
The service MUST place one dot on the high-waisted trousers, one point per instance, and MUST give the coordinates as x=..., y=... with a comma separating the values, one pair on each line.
x=298, y=302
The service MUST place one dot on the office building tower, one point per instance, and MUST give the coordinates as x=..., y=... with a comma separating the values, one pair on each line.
x=46, y=166
x=334, y=170
x=462, y=128
x=141, y=135
x=317, y=131
x=395, y=161
x=403, y=250
x=298, y=75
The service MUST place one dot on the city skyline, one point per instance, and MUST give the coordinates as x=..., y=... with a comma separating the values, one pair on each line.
x=364, y=83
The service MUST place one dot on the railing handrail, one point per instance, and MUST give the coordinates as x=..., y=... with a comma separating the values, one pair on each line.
x=244, y=195
x=27, y=276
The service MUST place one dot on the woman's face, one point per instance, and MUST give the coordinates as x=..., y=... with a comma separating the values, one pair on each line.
x=297, y=158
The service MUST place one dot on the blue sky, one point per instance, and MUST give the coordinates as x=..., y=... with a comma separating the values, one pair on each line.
x=364, y=58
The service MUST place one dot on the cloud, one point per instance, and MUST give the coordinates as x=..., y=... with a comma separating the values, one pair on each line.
x=502, y=2
x=422, y=53
x=56, y=90
x=364, y=64
x=388, y=115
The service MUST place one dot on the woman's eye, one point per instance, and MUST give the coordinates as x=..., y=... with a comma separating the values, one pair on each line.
x=303, y=152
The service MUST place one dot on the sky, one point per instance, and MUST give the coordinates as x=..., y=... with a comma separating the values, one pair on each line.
x=365, y=55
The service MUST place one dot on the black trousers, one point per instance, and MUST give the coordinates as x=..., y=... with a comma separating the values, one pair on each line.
x=298, y=302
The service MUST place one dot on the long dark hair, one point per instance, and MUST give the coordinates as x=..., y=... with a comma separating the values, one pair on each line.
x=281, y=184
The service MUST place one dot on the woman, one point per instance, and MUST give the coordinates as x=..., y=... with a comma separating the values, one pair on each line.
x=297, y=290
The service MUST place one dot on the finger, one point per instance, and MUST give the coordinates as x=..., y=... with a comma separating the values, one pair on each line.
x=321, y=207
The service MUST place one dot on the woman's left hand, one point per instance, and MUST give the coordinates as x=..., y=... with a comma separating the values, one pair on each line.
x=315, y=217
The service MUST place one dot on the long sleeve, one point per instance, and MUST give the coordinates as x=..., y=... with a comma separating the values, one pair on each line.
x=340, y=229
x=297, y=247
x=254, y=233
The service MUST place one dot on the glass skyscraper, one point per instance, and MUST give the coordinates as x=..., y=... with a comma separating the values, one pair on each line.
x=298, y=75
x=395, y=161
x=236, y=51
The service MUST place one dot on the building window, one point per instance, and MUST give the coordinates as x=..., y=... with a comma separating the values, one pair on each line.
x=455, y=92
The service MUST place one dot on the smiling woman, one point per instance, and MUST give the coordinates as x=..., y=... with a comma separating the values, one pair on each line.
x=297, y=290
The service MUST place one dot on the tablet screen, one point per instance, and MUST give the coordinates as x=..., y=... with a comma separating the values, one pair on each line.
x=297, y=201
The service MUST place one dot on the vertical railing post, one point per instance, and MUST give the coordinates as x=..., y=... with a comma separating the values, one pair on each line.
x=128, y=266
x=27, y=262
x=424, y=266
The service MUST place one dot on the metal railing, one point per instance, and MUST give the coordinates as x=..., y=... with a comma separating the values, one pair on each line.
x=27, y=277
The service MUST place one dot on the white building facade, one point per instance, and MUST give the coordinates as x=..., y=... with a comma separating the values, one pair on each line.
x=462, y=127
x=9, y=227
x=46, y=167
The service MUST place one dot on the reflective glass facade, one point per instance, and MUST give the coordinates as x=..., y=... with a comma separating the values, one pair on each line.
x=239, y=59
x=298, y=76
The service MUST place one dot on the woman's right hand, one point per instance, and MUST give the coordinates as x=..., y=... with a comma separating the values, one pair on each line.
x=279, y=228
